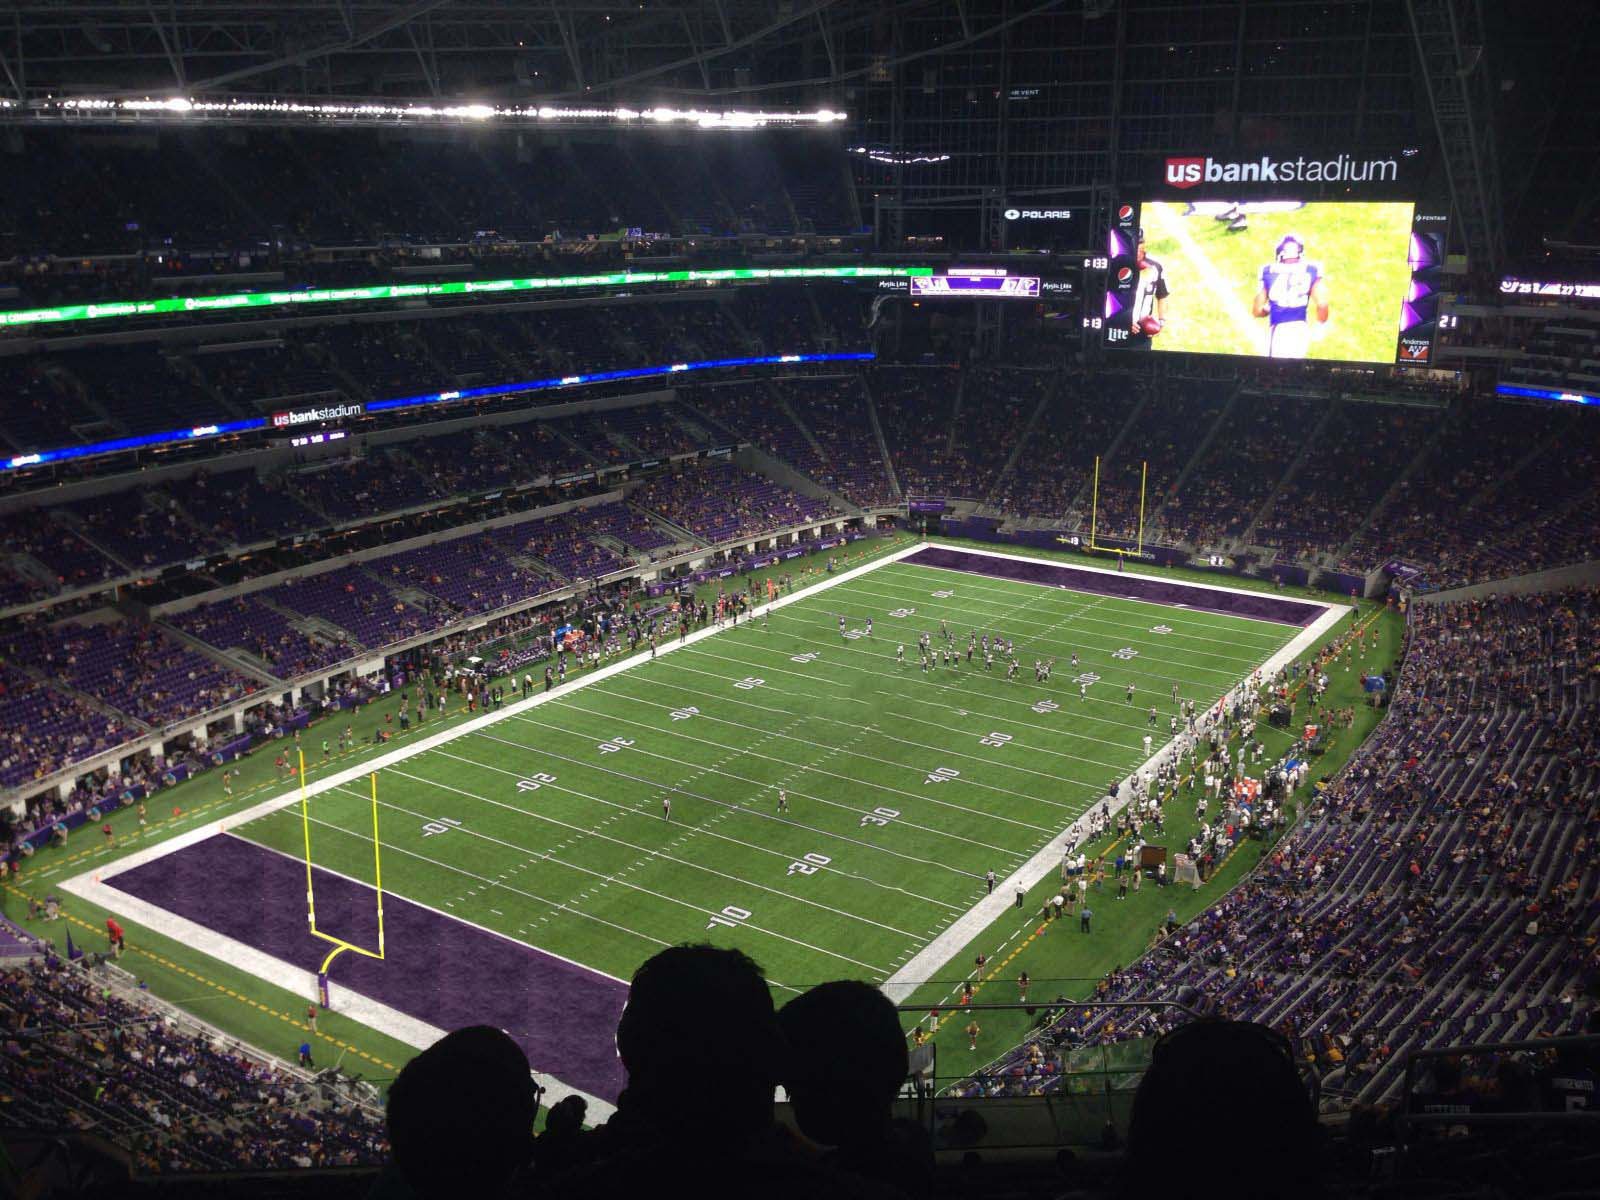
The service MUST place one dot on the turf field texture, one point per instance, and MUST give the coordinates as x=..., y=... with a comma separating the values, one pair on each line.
x=544, y=826
x=1213, y=275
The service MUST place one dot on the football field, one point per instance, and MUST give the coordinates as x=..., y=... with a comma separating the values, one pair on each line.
x=640, y=807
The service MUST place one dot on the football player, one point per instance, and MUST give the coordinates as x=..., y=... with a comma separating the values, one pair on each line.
x=1150, y=305
x=1293, y=293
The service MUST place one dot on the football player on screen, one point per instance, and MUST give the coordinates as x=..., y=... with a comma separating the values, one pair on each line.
x=1150, y=304
x=1293, y=292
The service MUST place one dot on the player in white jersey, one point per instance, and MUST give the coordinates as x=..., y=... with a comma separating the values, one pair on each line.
x=1150, y=302
x=1293, y=294
x=900, y=655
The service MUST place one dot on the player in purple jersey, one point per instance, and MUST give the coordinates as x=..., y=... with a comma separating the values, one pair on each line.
x=1293, y=293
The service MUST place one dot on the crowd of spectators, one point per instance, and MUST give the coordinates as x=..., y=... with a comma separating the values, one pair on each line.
x=473, y=574
x=132, y=667
x=718, y=502
x=1057, y=461
x=834, y=409
x=1138, y=479
x=247, y=623
x=1260, y=438
x=1362, y=450
x=43, y=729
x=916, y=409
x=80, y=1057
x=1442, y=887
x=750, y=409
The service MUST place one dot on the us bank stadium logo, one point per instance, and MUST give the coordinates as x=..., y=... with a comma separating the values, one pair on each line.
x=302, y=416
x=1191, y=171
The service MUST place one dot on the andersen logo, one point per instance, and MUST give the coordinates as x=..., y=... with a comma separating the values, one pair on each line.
x=1190, y=172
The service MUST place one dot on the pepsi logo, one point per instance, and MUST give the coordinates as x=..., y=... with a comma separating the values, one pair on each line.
x=1124, y=274
x=1125, y=212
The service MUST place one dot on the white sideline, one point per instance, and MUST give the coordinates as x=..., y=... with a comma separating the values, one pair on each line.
x=922, y=965
x=378, y=1016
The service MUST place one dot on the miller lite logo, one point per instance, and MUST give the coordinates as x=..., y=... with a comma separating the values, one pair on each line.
x=1185, y=172
x=1124, y=274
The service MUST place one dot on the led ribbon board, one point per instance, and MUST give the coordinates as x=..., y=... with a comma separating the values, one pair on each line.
x=65, y=313
x=172, y=437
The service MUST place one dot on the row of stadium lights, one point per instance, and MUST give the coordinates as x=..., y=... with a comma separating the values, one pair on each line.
x=179, y=107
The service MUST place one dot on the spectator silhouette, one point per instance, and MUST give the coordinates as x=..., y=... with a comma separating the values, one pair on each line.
x=703, y=1053
x=460, y=1118
x=562, y=1145
x=1210, y=1075
x=848, y=1060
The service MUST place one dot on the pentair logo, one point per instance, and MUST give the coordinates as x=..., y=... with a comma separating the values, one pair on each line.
x=1185, y=172
x=1013, y=213
x=1125, y=212
x=1124, y=274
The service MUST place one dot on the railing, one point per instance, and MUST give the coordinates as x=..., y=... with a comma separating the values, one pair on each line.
x=1449, y=1113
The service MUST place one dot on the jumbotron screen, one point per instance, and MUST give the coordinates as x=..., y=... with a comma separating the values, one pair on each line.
x=1278, y=278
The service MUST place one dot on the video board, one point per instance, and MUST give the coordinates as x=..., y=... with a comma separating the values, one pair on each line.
x=1253, y=263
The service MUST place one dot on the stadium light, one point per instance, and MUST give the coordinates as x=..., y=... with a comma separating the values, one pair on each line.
x=189, y=109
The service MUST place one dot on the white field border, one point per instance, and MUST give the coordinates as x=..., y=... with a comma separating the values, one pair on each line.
x=413, y=1032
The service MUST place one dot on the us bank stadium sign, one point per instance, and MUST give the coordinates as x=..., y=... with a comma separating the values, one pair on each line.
x=289, y=418
x=1293, y=173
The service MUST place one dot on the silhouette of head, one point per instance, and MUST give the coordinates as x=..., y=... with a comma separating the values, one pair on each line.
x=460, y=1114
x=699, y=1039
x=848, y=1059
x=1211, y=1075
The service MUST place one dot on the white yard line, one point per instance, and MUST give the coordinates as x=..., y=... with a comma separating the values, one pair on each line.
x=680, y=790
x=556, y=857
x=649, y=816
x=945, y=750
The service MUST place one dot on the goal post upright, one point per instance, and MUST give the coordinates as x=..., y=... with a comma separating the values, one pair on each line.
x=340, y=945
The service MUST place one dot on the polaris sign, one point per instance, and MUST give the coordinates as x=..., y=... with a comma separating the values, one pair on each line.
x=1280, y=173
x=307, y=416
x=1038, y=214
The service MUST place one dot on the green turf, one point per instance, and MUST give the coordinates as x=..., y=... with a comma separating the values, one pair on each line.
x=1213, y=275
x=595, y=872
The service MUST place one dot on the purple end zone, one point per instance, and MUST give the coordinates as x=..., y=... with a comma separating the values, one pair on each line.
x=1255, y=605
x=437, y=969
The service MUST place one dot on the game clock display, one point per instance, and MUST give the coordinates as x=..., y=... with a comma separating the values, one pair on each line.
x=1339, y=281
